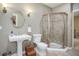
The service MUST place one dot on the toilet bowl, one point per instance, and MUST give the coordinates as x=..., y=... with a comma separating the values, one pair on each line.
x=41, y=46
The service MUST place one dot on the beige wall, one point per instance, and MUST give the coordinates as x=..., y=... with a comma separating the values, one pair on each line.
x=76, y=23
x=66, y=8
x=5, y=21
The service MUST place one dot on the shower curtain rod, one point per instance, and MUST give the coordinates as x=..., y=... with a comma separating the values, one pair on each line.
x=55, y=13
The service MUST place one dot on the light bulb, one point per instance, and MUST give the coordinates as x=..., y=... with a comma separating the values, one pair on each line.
x=4, y=5
x=29, y=10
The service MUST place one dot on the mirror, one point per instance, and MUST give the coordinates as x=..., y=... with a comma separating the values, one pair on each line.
x=17, y=19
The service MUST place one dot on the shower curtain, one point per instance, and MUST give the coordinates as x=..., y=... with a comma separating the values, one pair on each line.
x=53, y=28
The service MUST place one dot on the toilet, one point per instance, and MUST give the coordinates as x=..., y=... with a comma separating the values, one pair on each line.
x=41, y=46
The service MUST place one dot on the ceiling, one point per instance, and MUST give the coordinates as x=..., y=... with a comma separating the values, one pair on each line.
x=52, y=5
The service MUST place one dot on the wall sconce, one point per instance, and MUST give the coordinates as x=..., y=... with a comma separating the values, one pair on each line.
x=4, y=6
x=29, y=30
x=29, y=12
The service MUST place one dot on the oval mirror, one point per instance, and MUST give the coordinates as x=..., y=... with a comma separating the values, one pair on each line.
x=17, y=19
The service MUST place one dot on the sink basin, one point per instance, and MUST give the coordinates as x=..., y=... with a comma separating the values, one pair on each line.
x=19, y=39
x=23, y=37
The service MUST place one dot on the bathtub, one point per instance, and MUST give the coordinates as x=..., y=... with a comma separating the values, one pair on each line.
x=55, y=45
x=55, y=49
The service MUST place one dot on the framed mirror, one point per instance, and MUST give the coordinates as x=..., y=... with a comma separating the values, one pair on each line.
x=17, y=19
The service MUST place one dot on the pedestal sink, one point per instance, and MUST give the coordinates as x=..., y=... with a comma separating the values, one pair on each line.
x=19, y=39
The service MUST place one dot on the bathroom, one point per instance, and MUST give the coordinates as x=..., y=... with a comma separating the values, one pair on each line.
x=30, y=16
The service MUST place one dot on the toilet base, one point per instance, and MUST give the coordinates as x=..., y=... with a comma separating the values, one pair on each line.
x=40, y=53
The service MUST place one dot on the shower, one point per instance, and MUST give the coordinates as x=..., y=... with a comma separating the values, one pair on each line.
x=54, y=29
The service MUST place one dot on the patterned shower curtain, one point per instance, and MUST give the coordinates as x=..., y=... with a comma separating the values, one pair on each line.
x=53, y=28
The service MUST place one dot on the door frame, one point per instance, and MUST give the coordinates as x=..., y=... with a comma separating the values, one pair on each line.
x=73, y=42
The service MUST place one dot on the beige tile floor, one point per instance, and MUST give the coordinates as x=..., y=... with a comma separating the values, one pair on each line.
x=72, y=52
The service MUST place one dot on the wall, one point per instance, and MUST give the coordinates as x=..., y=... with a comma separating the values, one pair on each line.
x=5, y=22
x=66, y=8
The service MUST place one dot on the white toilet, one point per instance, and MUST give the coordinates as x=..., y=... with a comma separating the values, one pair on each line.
x=41, y=46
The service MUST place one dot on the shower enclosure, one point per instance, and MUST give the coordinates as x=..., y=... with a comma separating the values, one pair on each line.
x=54, y=29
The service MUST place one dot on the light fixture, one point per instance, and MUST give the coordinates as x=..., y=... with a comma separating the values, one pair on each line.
x=29, y=12
x=4, y=6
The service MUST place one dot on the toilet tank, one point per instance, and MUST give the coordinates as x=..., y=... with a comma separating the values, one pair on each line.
x=36, y=38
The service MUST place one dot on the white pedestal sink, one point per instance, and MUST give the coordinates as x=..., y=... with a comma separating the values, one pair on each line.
x=19, y=39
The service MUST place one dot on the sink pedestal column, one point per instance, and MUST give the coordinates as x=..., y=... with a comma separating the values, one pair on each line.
x=19, y=48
